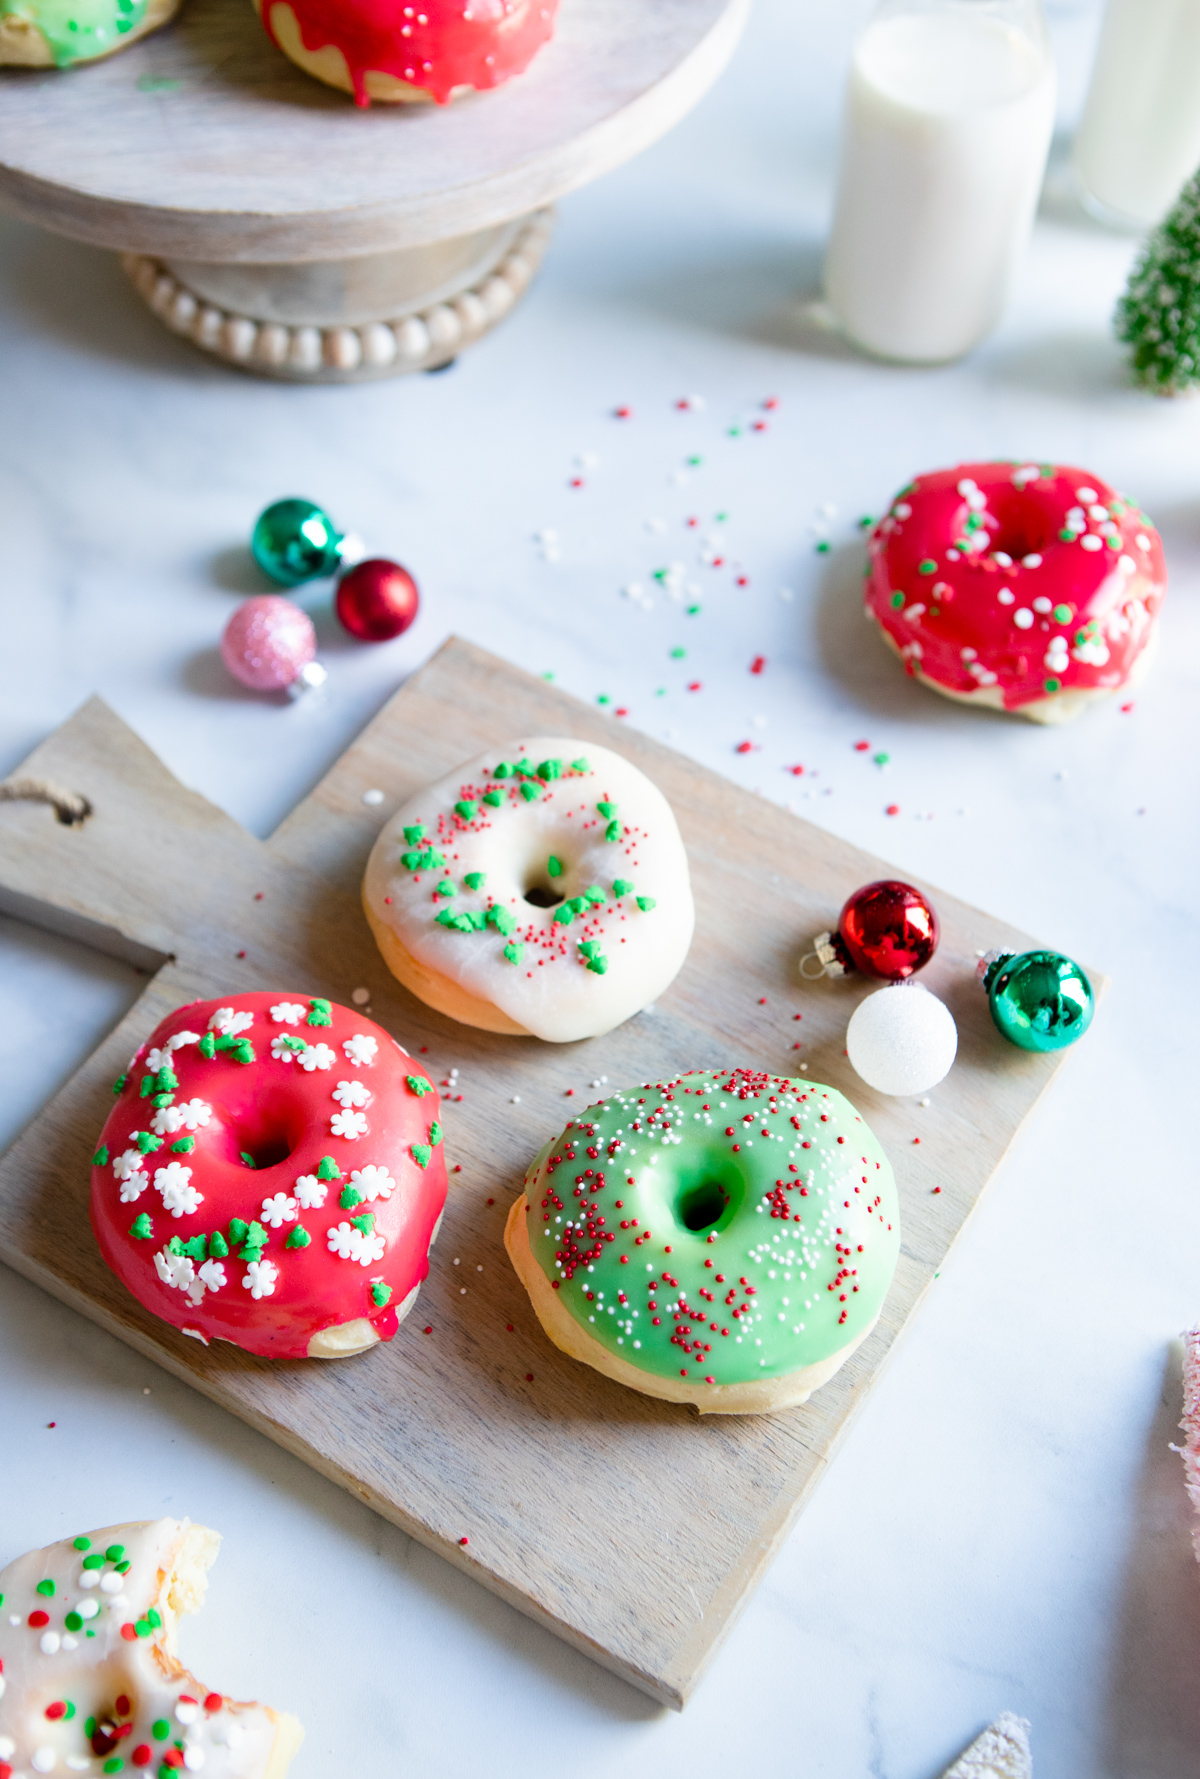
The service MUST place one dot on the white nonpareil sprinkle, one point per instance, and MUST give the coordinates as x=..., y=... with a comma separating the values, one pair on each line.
x=187, y=1711
x=288, y=1012
x=352, y=1093
x=515, y=1100
x=42, y=1759
x=1023, y=618
x=361, y=1049
x=50, y=1643
x=372, y=798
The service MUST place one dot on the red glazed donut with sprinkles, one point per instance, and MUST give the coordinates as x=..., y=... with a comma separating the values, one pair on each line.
x=382, y=49
x=1032, y=588
x=272, y=1175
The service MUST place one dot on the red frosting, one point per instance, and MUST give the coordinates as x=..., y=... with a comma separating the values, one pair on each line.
x=1032, y=579
x=438, y=45
x=200, y=1230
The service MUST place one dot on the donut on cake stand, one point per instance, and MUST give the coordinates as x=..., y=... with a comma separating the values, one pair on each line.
x=293, y=235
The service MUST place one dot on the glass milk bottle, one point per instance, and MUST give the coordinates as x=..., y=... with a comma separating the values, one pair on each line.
x=948, y=117
x=1140, y=135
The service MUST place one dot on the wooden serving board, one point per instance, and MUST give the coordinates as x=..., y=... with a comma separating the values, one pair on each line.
x=632, y=1528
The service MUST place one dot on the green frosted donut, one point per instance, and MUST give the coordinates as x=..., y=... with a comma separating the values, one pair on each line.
x=43, y=33
x=719, y=1230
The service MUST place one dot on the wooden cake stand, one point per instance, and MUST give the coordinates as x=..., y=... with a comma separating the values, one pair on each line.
x=278, y=227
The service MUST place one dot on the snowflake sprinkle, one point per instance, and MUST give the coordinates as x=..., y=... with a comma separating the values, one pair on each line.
x=174, y=1269
x=191, y=1115
x=179, y=1196
x=372, y=1183
x=278, y=1210
x=311, y=1193
x=288, y=1012
x=349, y=1243
x=351, y=1093
x=213, y=1274
x=316, y=1056
x=228, y=1023
x=126, y=1165
x=260, y=1278
x=348, y=1125
x=360, y=1049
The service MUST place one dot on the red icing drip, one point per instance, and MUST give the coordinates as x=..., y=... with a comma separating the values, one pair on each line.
x=269, y=1105
x=437, y=46
x=953, y=625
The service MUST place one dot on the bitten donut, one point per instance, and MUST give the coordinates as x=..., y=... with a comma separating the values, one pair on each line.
x=89, y=1678
x=272, y=1174
x=1032, y=588
x=539, y=889
x=378, y=49
x=57, y=33
x=724, y=1238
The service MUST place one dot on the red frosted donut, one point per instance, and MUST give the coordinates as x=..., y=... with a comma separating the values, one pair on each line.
x=272, y=1175
x=384, y=49
x=1029, y=587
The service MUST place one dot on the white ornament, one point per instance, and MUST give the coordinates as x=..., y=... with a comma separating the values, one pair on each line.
x=902, y=1039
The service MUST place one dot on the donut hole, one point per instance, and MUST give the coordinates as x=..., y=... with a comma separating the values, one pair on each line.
x=543, y=895
x=702, y=1205
x=1024, y=528
x=265, y=1132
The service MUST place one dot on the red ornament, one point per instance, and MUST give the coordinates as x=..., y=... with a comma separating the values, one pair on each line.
x=377, y=600
x=886, y=929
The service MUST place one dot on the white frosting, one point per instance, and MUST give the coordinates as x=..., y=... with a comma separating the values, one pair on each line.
x=90, y=1664
x=550, y=992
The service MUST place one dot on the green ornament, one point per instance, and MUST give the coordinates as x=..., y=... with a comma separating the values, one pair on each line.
x=1039, y=1000
x=294, y=541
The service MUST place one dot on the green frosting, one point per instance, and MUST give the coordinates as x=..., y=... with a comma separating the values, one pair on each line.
x=78, y=30
x=720, y=1227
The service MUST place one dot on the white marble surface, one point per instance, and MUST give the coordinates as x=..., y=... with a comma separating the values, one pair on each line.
x=1005, y=1525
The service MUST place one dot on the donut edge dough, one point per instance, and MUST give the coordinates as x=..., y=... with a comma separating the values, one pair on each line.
x=766, y=1397
x=345, y=1339
x=1059, y=707
x=22, y=44
x=328, y=64
x=434, y=989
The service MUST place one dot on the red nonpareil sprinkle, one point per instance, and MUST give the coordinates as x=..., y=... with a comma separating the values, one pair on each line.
x=121, y=1704
x=937, y=1189
x=620, y=711
x=743, y=580
x=624, y=412
x=771, y=403
x=576, y=482
x=916, y=1139
x=762, y=1000
x=860, y=747
x=38, y=1619
x=141, y=1756
x=528, y=1377
x=1127, y=707
x=129, y=1632
x=57, y=1710
x=796, y=1046
x=52, y=1423
x=427, y=1331
x=491, y=1201
x=213, y=1701
x=241, y=954
x=464, y=1541
x=683, y=404
x=758, y=663
x=509, y=1326
x=258, y=895
x=892, y=809
x=570, y=1093
x=691, y=524
x=760, y=426
x=744, y=747
x=694, y=686
x=718, y=561
x=387, y=899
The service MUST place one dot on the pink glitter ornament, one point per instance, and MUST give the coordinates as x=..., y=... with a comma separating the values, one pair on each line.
x=268, y=643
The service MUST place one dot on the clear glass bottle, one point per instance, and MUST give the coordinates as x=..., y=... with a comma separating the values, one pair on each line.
x=948, y=118
x=1139, y=138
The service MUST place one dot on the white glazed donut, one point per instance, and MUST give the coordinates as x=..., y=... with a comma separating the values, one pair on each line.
x=89, y=1681
x=540, y=889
